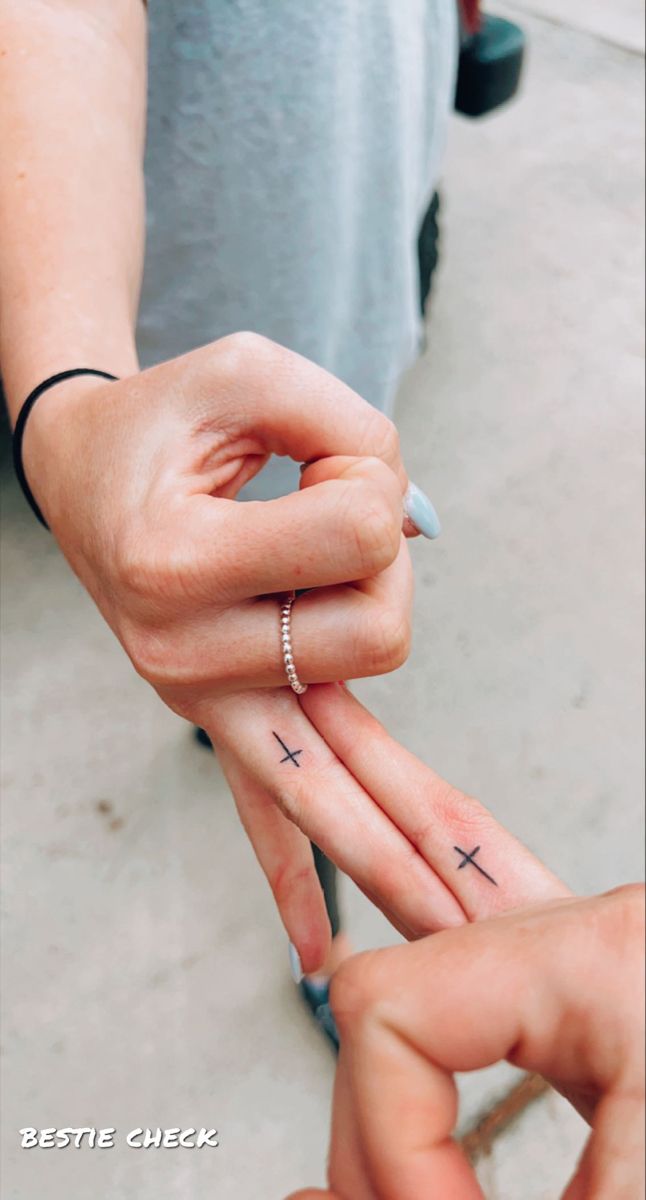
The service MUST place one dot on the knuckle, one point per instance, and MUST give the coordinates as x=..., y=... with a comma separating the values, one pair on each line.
x=400, y=641
x=248, y=342
x=157, y=579
x=356, y=990
x=151, y=575
x=235, y=352
x=376, y=528
x=134, y=570
x=385, y=641
x=626, y=913
x=149, y=653
x=164, y=657
x=384, y=439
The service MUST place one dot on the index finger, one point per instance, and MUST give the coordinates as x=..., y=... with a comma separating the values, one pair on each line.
x=295, y=407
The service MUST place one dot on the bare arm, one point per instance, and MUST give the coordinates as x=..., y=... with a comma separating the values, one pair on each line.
x=72, y=119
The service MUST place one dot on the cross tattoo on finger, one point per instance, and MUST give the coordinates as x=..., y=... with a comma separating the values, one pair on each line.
x=290, y=755
x=469, y=859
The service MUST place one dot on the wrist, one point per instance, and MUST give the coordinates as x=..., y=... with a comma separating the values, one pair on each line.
x=22, y=372
x=56, y=439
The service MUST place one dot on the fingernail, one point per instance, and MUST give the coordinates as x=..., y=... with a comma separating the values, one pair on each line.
x=295, y=964
x=420, y=511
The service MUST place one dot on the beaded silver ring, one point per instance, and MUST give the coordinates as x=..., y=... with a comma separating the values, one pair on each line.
x=286, y=643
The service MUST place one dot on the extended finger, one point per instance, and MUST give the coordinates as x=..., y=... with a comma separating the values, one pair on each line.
x=285, y=856
x=271, y=735
x=483, y=864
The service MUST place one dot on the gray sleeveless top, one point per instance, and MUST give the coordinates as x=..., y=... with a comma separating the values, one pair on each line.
x=292, y=148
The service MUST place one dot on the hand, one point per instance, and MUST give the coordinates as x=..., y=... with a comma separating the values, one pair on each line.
x=406, y=837
x=557, y=989
x=137, y=478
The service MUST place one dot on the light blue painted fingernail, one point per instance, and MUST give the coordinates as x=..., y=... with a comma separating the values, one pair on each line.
x=295, y=964
x=420, y=511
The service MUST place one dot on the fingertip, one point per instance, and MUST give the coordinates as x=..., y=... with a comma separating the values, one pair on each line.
x=312, y=954
x=310, y=937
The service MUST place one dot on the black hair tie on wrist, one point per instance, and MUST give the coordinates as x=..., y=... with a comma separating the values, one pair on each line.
x=21, y=422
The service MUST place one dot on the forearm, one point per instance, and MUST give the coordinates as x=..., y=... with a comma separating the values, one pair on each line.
x=72, y=120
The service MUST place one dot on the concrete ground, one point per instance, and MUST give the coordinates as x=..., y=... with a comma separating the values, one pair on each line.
x=145, y=979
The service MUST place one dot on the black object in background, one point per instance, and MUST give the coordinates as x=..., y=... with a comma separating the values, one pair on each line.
x=490, y=66
x=489, y=71
x=428, y=249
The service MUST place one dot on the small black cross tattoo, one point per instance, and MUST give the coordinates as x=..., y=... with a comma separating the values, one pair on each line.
x=470, y=858
x=290, y=755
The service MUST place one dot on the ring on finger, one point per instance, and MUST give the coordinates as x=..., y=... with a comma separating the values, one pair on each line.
x=286, y=605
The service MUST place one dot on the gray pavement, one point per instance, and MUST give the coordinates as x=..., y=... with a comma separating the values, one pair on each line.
x=144, y=968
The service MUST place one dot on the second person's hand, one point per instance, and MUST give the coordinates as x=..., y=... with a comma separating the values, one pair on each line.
x=557, y=989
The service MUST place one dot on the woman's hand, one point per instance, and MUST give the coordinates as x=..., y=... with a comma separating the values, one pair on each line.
x=137, y=478
x=558, y=990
